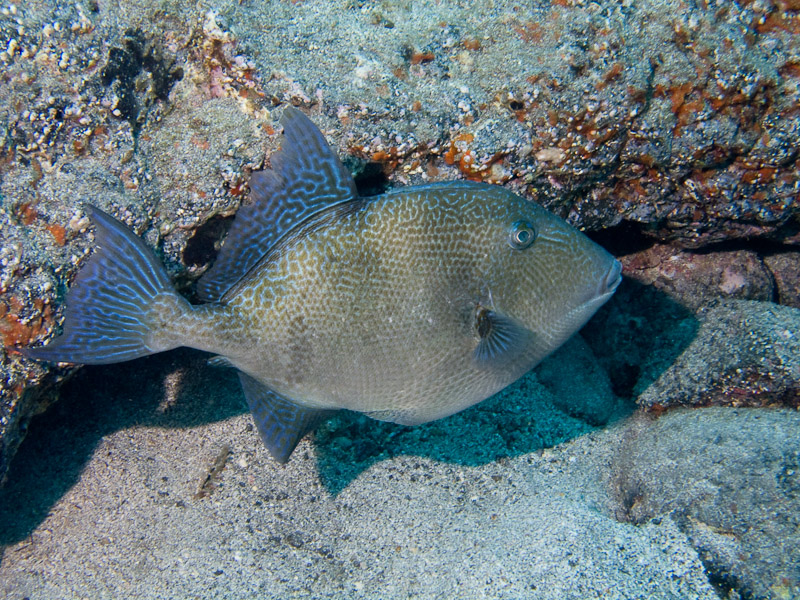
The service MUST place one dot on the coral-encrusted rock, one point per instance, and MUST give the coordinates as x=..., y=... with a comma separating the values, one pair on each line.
x=785, y=268
x=745, y=353
x=694, y=278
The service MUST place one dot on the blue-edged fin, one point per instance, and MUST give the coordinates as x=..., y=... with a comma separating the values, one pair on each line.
x=500, y=339
x=106, y=304
x=305, y=177
x=280, y=422
x=221, y=362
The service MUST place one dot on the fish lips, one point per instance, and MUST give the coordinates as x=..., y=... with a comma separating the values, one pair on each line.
x=606, y=286
x=611, y=280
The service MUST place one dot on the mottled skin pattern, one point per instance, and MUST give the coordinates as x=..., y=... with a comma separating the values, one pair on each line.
x=373, y=304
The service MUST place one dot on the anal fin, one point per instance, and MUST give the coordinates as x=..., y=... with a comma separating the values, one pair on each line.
x=280, y=422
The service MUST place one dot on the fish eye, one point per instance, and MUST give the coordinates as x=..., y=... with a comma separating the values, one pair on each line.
x=522, y=235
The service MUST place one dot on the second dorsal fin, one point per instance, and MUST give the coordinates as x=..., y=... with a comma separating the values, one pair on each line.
x=306, y=176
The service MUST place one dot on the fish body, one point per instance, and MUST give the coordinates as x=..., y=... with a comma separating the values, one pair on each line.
x=407, y=307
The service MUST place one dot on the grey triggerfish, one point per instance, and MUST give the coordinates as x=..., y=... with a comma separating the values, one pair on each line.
x=407, y=307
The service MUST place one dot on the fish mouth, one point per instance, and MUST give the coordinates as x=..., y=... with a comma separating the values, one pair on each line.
x=612, y=279
x=596, y=297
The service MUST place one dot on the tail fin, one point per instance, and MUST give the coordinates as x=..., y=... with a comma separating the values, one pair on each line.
x=107, y=304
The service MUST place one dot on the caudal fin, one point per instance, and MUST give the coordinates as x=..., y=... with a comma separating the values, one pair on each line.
x=105, y=320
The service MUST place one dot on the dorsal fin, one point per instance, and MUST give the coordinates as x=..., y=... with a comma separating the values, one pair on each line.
x=306, y=176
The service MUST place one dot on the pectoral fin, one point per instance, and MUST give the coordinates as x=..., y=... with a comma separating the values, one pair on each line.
x=500, y=339
x=280, y=422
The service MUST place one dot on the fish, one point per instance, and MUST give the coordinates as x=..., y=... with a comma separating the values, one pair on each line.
x=407, y=306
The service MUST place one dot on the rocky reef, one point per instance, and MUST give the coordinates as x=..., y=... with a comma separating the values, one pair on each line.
x=665, y=129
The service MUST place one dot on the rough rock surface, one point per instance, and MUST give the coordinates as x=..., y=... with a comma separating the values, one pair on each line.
x=745, y=353
x=695, y=279
x=727, y=352
x=731, y=480
x=785, y=269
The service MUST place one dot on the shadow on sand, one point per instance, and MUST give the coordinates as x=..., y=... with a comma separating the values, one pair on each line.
x=178, y=390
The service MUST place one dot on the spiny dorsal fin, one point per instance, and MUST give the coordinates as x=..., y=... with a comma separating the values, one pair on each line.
x=306, y=176
x=280, y=422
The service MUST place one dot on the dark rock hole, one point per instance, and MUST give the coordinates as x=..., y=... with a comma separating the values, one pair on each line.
x=726, y=583
x=202, y=247
x=125, y=64
x=370, y=179
x=622, y=239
